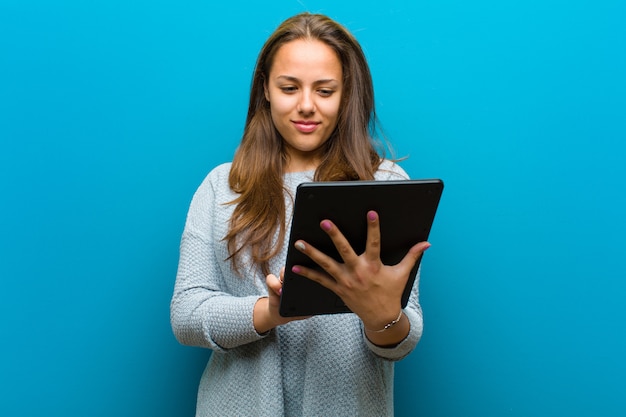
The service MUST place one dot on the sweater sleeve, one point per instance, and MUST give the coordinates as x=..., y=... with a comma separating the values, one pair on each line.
x=202, y=312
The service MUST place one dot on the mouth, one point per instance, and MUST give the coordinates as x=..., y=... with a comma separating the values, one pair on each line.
x=305, y=126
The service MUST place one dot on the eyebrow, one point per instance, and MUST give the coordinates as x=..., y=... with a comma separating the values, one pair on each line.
x=296, y=80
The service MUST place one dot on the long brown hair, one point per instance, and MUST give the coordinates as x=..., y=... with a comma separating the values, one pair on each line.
x=351, y=153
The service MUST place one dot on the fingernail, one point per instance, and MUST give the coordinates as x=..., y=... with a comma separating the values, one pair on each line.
x=300, y=245
x=296, y=269
x=280, y=291
x=371, y=216
x=326, y=225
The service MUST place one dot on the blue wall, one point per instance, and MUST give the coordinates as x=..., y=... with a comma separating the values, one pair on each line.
x=112, y=112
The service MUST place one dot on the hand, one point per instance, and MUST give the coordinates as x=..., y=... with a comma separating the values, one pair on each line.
x=372, y=290
x=266, y=315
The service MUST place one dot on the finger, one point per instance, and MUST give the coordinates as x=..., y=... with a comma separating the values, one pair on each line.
x=339, y=240
x=372, y=246
x=327, y=263
x=317, y=276
x=274, y=284
x=413, y=255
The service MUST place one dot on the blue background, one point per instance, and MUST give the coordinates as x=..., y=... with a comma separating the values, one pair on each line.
x=112, y=112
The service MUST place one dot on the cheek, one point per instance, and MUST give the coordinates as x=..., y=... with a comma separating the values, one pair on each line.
x=281, y=106
x=331, y=109
x=280, y=113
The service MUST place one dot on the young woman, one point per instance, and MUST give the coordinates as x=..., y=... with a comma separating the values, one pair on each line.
x=311, y=118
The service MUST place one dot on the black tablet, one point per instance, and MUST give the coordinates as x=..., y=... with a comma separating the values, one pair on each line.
x=406, y=211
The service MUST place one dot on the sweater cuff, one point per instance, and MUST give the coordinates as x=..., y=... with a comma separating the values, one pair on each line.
x=231, y=323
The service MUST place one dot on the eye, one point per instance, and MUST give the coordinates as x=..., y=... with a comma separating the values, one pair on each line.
x=288, y=89
x=325, y=92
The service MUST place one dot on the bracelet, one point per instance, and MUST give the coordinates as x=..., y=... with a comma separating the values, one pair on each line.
x=388, y=325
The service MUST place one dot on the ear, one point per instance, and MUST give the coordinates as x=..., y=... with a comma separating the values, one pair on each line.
x=265, y=90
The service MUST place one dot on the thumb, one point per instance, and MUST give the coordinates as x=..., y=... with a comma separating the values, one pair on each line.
x=274, y=284
x=413, y=255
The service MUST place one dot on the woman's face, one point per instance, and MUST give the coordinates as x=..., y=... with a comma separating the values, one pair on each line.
x=304, y=90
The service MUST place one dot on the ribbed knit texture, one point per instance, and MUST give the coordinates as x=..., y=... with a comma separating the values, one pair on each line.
x=322, y=366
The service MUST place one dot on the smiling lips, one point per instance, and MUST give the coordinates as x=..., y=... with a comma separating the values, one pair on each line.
x=305, y=126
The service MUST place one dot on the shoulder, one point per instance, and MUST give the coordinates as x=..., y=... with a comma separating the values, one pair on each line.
x=208, y=200
x=216, y=180
x=219, y=174
x=215, y=185
x=389, y=170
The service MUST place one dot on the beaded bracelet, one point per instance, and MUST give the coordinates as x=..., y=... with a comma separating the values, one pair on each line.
x=388, y=325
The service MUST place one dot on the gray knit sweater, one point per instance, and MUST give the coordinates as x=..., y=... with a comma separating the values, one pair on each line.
x=322, y=366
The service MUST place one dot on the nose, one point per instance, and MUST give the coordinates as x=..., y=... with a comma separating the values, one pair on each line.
x=306, y=105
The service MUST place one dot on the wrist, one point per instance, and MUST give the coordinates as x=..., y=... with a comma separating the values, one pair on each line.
x=383, y=326
x=391, y=336
x=261, y=317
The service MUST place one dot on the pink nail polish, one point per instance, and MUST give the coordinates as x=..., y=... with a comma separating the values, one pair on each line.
x=371, y=216
x=296, y=269
x=326, y=225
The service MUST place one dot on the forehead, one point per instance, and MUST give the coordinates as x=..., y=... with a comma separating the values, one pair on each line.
x=310, y=58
